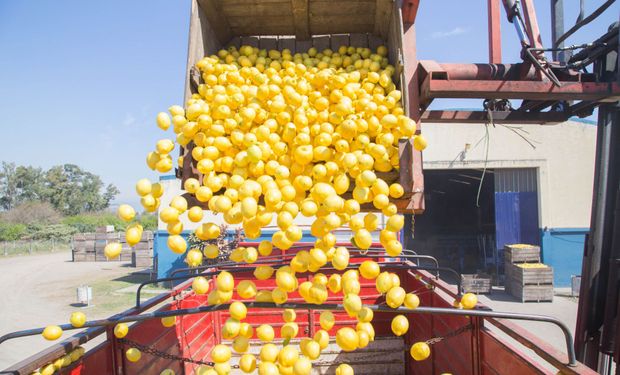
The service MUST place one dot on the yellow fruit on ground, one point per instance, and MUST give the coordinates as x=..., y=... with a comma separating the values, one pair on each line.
x=395, y=297
x=112, y=250
x=246, y=289
x=247, y=363
x=121, y=330
x=347, y=339
x=400, y=325
x=327, y=320
x=412, y=301
x=269, y=353
x=469, y=301
x=369, y=269
x=52, y=333
x=133, y=355
x=126, y=212
x=420, y=351
x=344, y=369
x=265, y=333
x=200, y=285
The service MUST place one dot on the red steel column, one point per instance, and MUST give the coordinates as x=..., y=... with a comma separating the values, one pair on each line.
x=495, y=32
x=532, y=23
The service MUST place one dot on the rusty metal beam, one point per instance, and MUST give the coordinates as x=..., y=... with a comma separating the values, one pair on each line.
x=495, y=33
x=502, y=117
x=533, y=90
x=410, y=10
x=531, y=23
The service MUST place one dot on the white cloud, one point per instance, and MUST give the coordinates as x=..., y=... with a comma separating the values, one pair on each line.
x=444, y=34
x=129, y=120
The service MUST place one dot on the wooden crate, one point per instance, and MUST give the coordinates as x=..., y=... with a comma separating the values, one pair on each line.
x=529, y=276
x=279, y=25
x=519, y=254
x=476, y=283
x=530, y=293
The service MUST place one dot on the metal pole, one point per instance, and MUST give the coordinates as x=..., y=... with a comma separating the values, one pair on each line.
x=557, y=29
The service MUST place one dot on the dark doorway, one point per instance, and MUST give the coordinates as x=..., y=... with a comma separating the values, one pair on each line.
x=458, y=226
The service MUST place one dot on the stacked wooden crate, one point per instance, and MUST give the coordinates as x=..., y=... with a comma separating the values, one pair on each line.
x=526, y=278
x=142, y=255
x=479, y=283
x=89, y=247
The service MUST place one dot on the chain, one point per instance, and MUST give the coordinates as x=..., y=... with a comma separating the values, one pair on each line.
x=457, y=332
x=158, y=353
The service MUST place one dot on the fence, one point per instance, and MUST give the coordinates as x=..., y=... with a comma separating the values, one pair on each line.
x=29, y=247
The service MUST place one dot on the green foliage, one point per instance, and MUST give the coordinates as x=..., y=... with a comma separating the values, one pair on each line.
x=91, y=221
x=67, y=187
x=148, y=221
x=11, y=231
x=49, y=231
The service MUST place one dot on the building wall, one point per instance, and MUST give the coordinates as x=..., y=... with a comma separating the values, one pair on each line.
x=564, y=156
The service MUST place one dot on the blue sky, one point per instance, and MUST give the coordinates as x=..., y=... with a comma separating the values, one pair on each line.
x=81, y=81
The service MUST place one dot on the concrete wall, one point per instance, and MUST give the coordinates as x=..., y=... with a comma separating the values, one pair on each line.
x=564, y=157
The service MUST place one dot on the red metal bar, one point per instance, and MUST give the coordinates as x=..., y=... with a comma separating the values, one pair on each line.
x=410, y=10
x=477, y=117
x=495, y=32
x=531, y=23
x=532, y=90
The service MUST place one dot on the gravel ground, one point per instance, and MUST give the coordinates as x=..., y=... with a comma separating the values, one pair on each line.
x=38, y=290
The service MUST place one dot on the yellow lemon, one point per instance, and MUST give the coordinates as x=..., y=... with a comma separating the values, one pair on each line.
x=121, y=330
x=347, y=339
x=327, y=320
x=344, y=369
x=225, y=281
x=246, y=289
x=369, y=269
x=200, y=285
x=112, y=250
x=133, y=355
x=126, y=212
x=400, y=325
x=265, y=333
x=52, y=333
x=412, y=301
x=469, y=301
x=78, y=319
x=221, y=353
x=247, y=363
x=420, y=351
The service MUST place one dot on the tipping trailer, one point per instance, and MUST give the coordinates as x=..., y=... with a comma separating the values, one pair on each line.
x=462, y=341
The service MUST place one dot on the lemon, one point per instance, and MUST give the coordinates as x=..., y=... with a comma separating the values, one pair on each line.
x=364, y=339
x=289, y=330
x=303, y=366
x=351, y=286
x=344, y=369
x=52, y=333
x=365, y=315
x=169, y=321
x=400, y=325
x=230, y=329
x=340, y=260
x=247, y=363
x=334, y=283
x=195, y=214
x=371, y=222
x=200, y=285
x=167, y=372
x=265, y=248
x=412, y=301
x=211, y=251
x=193, y=258
x=265, y=333
x=48, y=369
x=121, y=330
x=112, y=250
x=238, y=310
x=419, y=142
x=223, y=368
x=264, y=296
x=395, y=297
x=469, y=301
x=396, y=190
x=347, y=339
x=269, y=353
x=177, y=244
x=225, y=282
x=363, y=239
x=205, y=370
x=369, y=269
x=288, y=356
x=289, y=315
x=133, y=355
x=393, y=248
x=246, y=330
x=322, y=338
x=246, y=289
x=267, y=368
x=279, y=296
x=143, y=187
x=126, y=212
x=352, y=304
x=420, y=351
x=286, y=281
x=395, y=223
x=365, y=326
x=384, y=282
x=221, y=353
x=327, y=320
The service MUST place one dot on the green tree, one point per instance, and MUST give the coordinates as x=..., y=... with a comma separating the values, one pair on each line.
x=72, y=190
x=8, y=185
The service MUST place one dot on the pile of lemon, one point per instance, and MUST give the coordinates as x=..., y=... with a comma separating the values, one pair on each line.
x=275, y=135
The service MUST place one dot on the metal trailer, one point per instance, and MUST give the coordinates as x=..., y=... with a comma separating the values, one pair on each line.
x=462, y=341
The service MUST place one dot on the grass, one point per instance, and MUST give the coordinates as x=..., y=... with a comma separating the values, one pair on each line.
x=32, y=247
x=109, y=297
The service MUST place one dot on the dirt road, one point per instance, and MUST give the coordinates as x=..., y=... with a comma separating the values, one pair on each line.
x=39, y=290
